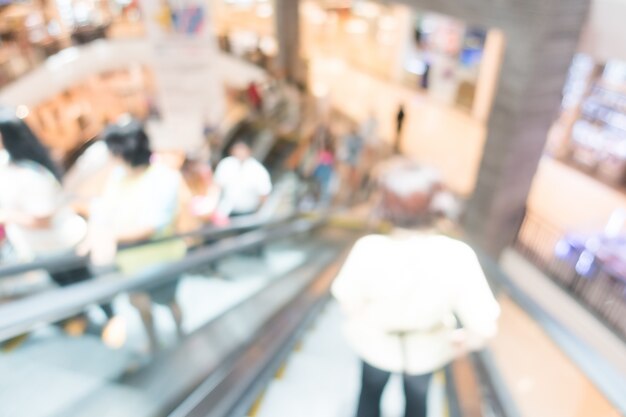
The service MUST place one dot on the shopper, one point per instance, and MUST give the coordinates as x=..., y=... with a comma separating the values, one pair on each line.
x=352, y=153
x=86, y=178
x=254, y=96
x=402, y=295
x=369, y=130
x=204, y=193
x=38, y=222
x=140, y=203
x=397, y=147
x=244, y=182
x=324, y=171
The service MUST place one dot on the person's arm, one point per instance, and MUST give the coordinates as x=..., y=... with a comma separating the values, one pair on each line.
x=264, y=185
x=474, y=302
x=37, y=204
x=135, y=235
x=24, y=219
x=348, y=286
x=219, y=182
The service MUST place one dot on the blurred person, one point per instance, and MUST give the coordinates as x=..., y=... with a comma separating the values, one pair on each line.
x=198, y=176
x=38, y=222
x=397, y=146
x=254, y=96
x=140, y=203
x=324, y=170
x=86, y=179
x=369, y=130
x=373, y=151
x=244, y=182
x=37, y=219
x=405, y=295
x=187, y=219
x=353, y=145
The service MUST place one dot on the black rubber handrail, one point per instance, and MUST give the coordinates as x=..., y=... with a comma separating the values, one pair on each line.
x=495, y=392
x=69, y=261
x=231, y=390
x=21, y=316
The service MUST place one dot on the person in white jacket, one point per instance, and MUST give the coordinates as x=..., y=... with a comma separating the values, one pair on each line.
x=414, y=301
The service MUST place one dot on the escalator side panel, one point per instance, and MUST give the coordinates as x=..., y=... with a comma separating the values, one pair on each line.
x=236, y=393
x=158, y=388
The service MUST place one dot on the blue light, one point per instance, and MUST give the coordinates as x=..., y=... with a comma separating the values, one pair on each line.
x=562, y=249
x=585, y=264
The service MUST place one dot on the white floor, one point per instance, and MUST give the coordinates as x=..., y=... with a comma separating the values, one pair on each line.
x=322, y=379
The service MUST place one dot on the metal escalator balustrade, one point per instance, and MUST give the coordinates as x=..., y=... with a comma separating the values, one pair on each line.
x=222, y=367
x=68, y=261
x=130, y=383
x=17, y=318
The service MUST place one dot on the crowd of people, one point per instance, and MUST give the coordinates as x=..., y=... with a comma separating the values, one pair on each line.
x=116, y=204
x=340, y=158
x=120, y=198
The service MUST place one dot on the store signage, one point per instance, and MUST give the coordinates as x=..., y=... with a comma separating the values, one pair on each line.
x=184, y=60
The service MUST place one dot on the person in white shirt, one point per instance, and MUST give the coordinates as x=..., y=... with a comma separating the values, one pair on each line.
x=244, y=182
x=34, y=209
x=38, y=220
x=140, y=203
x=86, y=178
x=405, y=296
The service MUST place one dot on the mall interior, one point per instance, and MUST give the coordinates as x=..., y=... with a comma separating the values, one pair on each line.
x=189, y=190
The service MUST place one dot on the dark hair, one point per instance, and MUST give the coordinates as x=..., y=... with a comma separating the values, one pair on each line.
x=22, y=145
x=130, y=142
x=241, y=142
x=409, y=207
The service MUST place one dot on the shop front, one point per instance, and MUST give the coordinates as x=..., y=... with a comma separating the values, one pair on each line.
x=590, y=133
x=31, y=31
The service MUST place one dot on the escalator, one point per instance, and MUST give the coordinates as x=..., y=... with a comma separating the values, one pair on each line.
x=224, y=309
x=268, y=147
x=242, y=320
x=17, y=271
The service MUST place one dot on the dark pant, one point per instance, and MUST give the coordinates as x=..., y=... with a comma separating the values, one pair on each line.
x=372, y=386
x=74, y=276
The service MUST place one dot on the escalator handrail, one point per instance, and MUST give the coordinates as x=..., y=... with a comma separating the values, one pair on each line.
x=22, y=316
x=268, y=352
x=494, y=387
x=67, y=261
x=593, y=365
